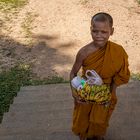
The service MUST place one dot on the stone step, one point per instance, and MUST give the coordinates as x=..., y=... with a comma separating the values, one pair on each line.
x=49, y=87
x=29, y=127
x=135, y=90
x=131, y=84
x=31, y=96
x=123, y=127
x=27, y=95
x=65, y=135
x=41, y=106
x=122, y=106
x=36, y=116
x=66, y=87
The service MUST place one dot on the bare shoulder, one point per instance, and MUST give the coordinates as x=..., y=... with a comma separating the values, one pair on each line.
x=84, y=51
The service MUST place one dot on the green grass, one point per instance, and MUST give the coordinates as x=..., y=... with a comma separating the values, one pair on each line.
x=138, y=1
x=84, y=2
x=27, y=26
x=135, y=76
x=12, y=80
x=10, y=83
x=10, y=4
x=9, y=10
x=49, y=80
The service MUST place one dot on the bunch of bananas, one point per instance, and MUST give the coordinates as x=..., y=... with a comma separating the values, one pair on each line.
x=95, y=93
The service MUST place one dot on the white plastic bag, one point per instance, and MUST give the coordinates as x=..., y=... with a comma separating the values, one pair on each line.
x=93, y=78
x=76, y=81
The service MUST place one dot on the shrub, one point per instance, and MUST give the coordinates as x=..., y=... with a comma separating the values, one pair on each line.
x=13, y=79
x=10, y=83
x=138, y=1
x=12, y=3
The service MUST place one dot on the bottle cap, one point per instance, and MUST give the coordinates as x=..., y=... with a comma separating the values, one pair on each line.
x=83, y=82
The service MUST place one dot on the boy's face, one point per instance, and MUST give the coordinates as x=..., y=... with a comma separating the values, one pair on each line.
x=100, y=32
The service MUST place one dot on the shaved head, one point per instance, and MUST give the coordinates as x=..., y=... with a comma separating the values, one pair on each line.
x=102, y=17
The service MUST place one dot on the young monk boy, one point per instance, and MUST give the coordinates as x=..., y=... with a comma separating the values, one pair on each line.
x=110, y=61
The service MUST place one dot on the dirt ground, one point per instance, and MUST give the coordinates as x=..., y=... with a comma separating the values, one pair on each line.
x=61, y=27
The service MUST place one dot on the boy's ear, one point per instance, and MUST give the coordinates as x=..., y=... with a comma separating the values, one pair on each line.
x=112, y=31
x=90, y=28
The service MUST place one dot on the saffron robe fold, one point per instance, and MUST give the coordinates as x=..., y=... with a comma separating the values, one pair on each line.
x=111, y=63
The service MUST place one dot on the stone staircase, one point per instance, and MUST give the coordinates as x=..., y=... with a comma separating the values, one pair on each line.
x=45, y=113
x=39, y=113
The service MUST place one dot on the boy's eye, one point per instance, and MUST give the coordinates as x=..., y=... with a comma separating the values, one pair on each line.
x=94, y=31
x=104, y=32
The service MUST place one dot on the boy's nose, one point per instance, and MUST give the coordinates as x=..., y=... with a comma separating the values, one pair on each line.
x=98, y=34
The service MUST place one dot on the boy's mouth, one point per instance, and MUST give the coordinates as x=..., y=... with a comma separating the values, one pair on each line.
x=99, y=40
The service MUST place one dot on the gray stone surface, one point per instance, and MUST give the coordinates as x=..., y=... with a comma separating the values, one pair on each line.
x=45, y=113
x=65, y=135
x=38, y=116
x=125, y=121
x=41, y=106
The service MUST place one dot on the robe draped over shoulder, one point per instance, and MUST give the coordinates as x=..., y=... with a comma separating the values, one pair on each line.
x=111, y=63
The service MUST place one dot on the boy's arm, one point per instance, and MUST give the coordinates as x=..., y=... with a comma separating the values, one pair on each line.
x=77, y=65
x=113, y=97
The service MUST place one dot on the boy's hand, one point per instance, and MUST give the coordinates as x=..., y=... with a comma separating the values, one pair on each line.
x=77, y=101
x=76, y=98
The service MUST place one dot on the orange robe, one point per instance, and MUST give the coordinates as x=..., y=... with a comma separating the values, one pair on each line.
x=111, y=63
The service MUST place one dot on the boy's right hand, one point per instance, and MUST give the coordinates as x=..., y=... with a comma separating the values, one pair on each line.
x=77, y=100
